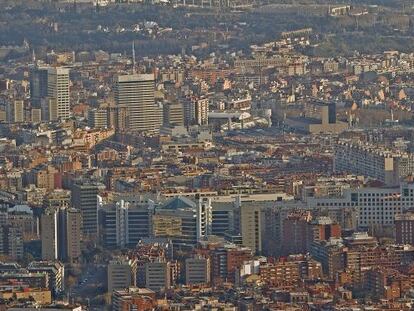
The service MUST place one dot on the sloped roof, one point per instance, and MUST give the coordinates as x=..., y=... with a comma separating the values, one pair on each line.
x=179, y=203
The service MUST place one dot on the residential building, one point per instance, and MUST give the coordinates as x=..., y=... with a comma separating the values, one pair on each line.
x=197, y=271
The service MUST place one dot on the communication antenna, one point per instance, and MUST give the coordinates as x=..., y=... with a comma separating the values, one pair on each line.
x=133, y=57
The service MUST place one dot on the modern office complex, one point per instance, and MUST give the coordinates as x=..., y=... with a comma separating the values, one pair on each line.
x=136, y=93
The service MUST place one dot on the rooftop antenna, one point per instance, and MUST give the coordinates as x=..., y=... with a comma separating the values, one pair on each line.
x=33, y=56
x=133, y=57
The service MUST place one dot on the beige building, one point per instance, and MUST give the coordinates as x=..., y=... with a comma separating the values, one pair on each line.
x=36, y=115
x=373, y=161
x=58, y=88
x=251, y=226
x=326, y=124
x=137, y=93
x=157, y=275
x=173, y=114
x=98, y=118
x=121, y=274
x=40, y=296
x=201, y=111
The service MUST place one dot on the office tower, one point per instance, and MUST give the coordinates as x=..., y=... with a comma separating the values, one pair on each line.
x=49, y=234
x=49, y=90
x=98, y=118
x=60, y=234
x=38, y=85
x=48, y=107
x=121, y=274
x=251, y=226
x=176, y=219
x=173, y=114
x=125, y=224
x=85, y=199
x=15, y=111
x=224, y=218
x=197, y=271
x=328, y=113
x=189, y=111
x=58, y=89
x=136, y=92
x=204, y=217
x=70, y=234
x=157, y=276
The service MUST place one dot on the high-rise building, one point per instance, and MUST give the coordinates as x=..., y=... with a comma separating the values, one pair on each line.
x=226, y=259
x=70, y=234
x=125, y=223
x=15, y=112
x=38, y=85
x=197, y=271
x=201, y=111
x=251, y=226
x=58, y=198
x=176, y=219
x=60, y=234
x=49, y=90
x=173, y=114
x=157, y=275
x=98, y=118
x=36, y=115
x=136, y=92
x=404, y=228
x=49, y=234
x=11, y=241
x=58, y=89
x=121, y=274
x=85, y=199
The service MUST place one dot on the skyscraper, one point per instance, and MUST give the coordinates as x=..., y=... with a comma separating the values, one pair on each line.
x=137, y=93
x=49, y=234
x=49, y=89
x=58, y=88
x=85, y=198
x=70, y=231
x=60, y=234
x=38, y=85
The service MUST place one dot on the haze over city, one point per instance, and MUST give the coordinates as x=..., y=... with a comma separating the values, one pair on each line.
x=235, y=155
